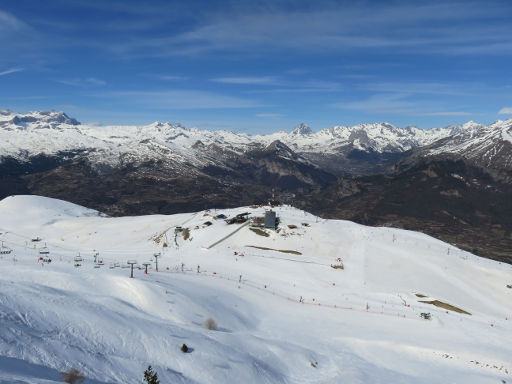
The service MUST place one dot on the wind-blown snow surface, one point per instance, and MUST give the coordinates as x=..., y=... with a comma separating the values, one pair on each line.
x=56, y=316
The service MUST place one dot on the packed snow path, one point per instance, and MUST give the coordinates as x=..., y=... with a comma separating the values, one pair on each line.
x=229, y=234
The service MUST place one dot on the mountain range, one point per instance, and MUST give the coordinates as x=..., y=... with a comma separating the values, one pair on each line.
x=450, y=182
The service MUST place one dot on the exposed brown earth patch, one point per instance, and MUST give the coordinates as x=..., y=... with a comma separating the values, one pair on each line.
x=260, y=232
x=277, y=250
x=450, y=307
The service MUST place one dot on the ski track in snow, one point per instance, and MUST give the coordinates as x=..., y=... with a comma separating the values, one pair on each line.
x=352, y=327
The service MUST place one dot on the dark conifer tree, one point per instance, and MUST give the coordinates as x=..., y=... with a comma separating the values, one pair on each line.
x=151, y=377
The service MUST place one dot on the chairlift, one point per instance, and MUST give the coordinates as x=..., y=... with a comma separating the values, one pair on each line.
x=78, y=260
x=5, y=250
x=44, y=250
x=114, y=264
x=35, y=239
x=97, y=261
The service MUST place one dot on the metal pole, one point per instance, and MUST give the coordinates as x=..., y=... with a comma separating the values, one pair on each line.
x=156, y=255
x=131, y=263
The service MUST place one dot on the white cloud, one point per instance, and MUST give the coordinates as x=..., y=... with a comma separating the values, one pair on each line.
x=21, y=41
x=397, y=104
x=422, y=29
x=262, y=80
x=166, y=77
x=269, y=115
x=304, y=86
x=171, y=77
x=505, y=111
x=88, y=82
x=444, y=114
x=95, y=81
x=275, y=28
x=10, y=23
x=11, y=70
x=180, y=99
x=418, y=88
x=381, y=103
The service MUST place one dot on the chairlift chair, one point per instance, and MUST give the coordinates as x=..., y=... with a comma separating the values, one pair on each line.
x=44, y=250
x=5, y=250
x=78, y=260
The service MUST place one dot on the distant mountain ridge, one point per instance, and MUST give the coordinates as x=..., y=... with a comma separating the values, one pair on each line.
x=485, y=146
x=50, y=133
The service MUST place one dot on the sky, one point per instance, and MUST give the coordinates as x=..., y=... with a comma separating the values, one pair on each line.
x=259, y=66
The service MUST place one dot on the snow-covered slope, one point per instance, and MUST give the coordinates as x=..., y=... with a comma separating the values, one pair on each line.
x=489, y=146
x=360, y=324
x=379, y=137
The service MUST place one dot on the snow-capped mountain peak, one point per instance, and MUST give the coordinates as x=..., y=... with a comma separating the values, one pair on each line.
x=36, y=119
x=302, y=129
x=23, y=136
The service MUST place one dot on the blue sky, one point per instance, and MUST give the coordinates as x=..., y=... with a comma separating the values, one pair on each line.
x=259, y=66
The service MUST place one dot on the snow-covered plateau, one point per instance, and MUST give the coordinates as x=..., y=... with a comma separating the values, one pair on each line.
x=286, y=312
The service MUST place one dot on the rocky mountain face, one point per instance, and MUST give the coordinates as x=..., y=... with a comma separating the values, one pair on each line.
x=42, y=119
x=488, y=147
x=370, y=173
